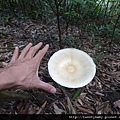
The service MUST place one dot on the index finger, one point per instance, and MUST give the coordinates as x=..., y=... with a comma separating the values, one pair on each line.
x=41, y=54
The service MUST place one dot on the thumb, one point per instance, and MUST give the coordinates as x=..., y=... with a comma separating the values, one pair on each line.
x=47, y=87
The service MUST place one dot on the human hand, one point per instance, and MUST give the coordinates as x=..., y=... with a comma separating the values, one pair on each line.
x=23, y=68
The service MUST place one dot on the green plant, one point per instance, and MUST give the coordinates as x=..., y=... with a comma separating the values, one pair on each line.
x=5, y=19
x=100, y=17
x=33, y=8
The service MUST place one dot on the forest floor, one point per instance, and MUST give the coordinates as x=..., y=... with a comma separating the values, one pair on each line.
x=100, y=96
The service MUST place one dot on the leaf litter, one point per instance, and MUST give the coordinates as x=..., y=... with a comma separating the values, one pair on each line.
x=101, y=96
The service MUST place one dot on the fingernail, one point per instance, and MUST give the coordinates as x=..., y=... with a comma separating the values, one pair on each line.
x=40, y=43
x=30, y=43
x=47, y=45
x=53, y=90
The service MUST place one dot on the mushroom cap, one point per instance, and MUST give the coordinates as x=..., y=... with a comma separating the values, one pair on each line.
x=71, y=68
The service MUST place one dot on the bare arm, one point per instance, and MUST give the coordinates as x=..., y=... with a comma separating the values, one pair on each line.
x=22, y=71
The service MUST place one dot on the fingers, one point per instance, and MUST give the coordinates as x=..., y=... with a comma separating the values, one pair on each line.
x=15, y=54
x=33, y=50
x=47, y=87
x=25, y=51
x=41, y=53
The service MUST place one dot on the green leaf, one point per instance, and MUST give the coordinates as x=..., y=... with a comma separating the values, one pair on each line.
x=76, y=94
x=97, y=46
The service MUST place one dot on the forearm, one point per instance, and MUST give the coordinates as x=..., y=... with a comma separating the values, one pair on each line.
x=6, y=80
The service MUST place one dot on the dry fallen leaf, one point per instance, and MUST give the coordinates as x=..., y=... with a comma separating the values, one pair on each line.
x=71, y=108
x=98, y=93
x=57, y=110
x=42, y=107
x=103, y=108
x=80, y=102
x=117, y=103
x=84, y=110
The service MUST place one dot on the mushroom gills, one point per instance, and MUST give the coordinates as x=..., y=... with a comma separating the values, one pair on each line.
x=71, y=68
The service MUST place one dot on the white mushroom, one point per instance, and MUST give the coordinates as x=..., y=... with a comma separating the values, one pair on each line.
x=71, y=68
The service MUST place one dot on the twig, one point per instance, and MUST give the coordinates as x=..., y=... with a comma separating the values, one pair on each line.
x=115, y=27
x=12, y=95
x=58, y=21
